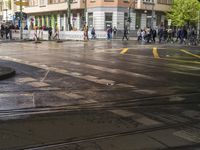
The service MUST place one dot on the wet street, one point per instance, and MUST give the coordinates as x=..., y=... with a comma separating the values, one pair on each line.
x=100, y=95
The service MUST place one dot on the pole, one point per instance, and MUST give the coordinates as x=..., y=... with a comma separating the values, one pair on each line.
x=198, y=27
x=85, y=11
x=21, y=32
x=129, y=18
x=69, y=14
x=152, y=16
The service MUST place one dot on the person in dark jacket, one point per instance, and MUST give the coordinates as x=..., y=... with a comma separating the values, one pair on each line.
x=160, y=33
x=154, y=35
x=125, y=34
x=183, y=35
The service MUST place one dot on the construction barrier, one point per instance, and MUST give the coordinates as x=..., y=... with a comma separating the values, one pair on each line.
x=62, y=35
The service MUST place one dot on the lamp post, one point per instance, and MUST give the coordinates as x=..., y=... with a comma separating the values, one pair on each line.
x=21, y=29
x=131, y=5
x=69, y=14
x=198, y=27
x=85, y=10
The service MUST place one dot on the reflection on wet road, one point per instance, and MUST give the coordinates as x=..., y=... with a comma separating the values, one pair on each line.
x=99, y=95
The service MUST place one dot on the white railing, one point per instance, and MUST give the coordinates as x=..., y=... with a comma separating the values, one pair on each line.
x=63, y=35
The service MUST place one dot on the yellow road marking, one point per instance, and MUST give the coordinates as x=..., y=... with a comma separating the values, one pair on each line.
x=178, y=60
x=197, y=56
x=155, y=53
x=124, y=50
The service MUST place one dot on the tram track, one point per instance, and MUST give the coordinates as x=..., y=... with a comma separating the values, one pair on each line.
x=150, y=102
x=105, y=136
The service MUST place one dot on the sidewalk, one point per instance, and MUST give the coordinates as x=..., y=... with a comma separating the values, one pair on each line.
x=6, y=72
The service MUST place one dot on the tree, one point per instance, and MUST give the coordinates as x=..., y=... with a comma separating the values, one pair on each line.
x=184, y=12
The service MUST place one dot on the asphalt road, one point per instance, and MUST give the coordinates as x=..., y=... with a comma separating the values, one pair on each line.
x=100, y=95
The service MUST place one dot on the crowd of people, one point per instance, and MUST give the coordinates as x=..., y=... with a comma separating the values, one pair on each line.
x=147, y=35
x=171, y=35
x=6, y=30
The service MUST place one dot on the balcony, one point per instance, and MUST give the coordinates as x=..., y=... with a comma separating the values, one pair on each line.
x=46, y=7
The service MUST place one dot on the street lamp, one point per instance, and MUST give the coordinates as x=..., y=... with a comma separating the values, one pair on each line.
x=69, y=14
x=131, y=5
x=198, y=27
x=85, y=10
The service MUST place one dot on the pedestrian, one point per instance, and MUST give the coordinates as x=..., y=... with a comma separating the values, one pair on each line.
x=160, y=33
x=154, y=35
x=139, y=35
x=7, y=31
x=56, y=33
x=93, y=33
x=178, y=35
x=2, y=30
x=85, y=30
x=115, y=32
x=183, y=35
x=125, y=34
x=109, y=33
x=143, y=33
x=36, y=32
x=50, y=32
x=148, y=34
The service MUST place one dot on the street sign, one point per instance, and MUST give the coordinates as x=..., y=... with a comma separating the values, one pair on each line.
x=149, y=16
x=21, y=3
x=169, y=22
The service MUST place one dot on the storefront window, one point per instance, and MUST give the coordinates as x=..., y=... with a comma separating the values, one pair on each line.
x=90, y=20
x=138, y=20
x=108, y=20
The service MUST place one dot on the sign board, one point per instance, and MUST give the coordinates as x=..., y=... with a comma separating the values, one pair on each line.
x=169, y=22
x=149, y=16
x=21, y=3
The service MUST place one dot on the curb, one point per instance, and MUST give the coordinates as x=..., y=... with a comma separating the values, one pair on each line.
x=7, y=73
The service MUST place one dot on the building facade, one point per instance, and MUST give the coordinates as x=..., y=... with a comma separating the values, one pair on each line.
x=99, y=14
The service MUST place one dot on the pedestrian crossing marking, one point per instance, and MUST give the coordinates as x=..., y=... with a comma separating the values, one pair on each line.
x=192, y=136
x=155, y=53
x=184, y=51
x=122, y=113
x=124, y=50
x=136, y=116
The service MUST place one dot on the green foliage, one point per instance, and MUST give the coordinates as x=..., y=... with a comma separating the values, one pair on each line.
x=184, y=12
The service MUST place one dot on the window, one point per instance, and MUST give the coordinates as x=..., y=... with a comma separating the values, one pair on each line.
x=125, y=19
x=108, y=20
x=42, y=3
x=56, y=1
x=108, y=0
x=90, y=20
x=33, y=2
x=168, y=2
x=138, y=20
x=148, y=1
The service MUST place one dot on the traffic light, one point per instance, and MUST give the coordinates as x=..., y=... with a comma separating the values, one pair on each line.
x=129, y=19
x=83, y=18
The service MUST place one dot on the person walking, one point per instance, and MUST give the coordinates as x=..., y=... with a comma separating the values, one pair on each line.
x=93, y=33
x=154, y=35
x=50, y=32
x=139, y=35
x=160, y=33
x=2, y=31
x=114, y=32
x=183, y=35
x=109, y=32
x=125, y=34
x=85, y=30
